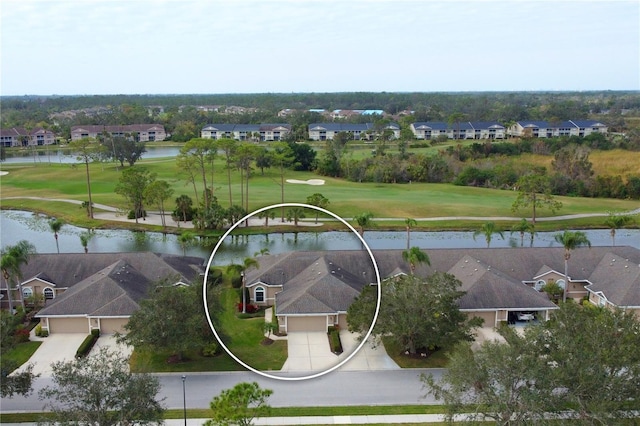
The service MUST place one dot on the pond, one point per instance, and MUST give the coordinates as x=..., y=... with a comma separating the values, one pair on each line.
x=21, y=225
x=55, y=155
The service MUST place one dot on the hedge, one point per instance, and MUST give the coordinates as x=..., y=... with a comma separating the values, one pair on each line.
x=334, y=340
x=87, y=344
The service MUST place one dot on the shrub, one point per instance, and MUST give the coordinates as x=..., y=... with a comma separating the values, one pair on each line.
x=21, y=335
x=334, y=340
x=211, y=350
x=215, y=276
x=236, y=281
x=87, y=344
x=250, y=309
x=132, y=214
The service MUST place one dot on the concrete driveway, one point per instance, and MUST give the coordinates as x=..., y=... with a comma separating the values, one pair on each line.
x=309, y=351
x=62, y=347
x=57, y=347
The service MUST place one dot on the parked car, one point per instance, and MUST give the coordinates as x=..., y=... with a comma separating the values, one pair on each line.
x=525, y=316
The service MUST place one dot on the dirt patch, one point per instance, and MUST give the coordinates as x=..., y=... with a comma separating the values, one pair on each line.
x=266, y=341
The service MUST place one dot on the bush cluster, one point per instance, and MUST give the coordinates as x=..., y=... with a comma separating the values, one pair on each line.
x=40, y=332
x=250, y=308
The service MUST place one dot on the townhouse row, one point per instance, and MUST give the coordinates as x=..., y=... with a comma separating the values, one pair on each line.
x=424, y=130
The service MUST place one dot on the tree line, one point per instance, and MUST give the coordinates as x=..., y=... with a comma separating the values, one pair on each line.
x=181, y=117
x=487, y=164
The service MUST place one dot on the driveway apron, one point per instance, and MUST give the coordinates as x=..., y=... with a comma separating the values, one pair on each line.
x=310, y=352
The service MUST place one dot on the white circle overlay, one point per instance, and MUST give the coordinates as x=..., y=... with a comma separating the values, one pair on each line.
x=263, y=373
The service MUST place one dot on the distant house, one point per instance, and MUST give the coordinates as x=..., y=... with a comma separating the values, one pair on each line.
x=139, y=132
x=464, y=130
x=19, y=136
x=363, y=131
x=311, y=291
x=97, y=290
x=246, y=132
x=546, y=129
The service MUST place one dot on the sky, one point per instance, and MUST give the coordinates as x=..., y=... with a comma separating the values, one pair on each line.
x=84, y=47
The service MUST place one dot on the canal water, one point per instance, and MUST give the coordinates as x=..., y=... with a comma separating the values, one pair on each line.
x=20, y=225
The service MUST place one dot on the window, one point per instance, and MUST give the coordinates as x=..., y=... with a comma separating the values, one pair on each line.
x=258, y=294
x=48, y=293
x=27, y=292
x=561, y=283
x=539, y=284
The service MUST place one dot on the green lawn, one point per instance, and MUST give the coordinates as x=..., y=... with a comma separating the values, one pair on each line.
x=21, y=353
x=243, y=339
x=436, y=360
x=347, y=199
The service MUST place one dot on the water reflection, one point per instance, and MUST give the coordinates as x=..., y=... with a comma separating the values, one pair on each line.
x=19, y=225
x=60, y=156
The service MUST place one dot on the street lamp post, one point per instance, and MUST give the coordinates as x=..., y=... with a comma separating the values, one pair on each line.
x=184, y=399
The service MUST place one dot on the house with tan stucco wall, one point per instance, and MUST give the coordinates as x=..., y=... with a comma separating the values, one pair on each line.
x=312, y=290
x=82, y=292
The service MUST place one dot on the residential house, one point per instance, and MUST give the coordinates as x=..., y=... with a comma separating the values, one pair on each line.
x=19, y=136
x=82, y=292
x=362, y=131
x=616, y=283
x=246, y=132
x=464, y=130
x=545, y=129
x=313, y=290
x=140, y=132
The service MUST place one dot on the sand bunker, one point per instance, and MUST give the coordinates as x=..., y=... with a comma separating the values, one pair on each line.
x=6, y=173
x=307, y=182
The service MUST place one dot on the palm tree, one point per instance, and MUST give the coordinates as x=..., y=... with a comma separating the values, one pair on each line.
x=363, y=220
x=185, y=240
x=56, y=225
x=488, y=229
x=295, y=214
x=614, y=222
x=183, y=205
x=410, y=223
x=522, y=227
x=87, y=150
x=13, y=257
x=247, y=263
x=85, y=237
x=570, y=240
x=414, y=256
x=266, y=215
x=318, y=200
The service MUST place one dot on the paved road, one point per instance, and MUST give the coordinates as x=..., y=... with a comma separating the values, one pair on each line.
x=391, y=387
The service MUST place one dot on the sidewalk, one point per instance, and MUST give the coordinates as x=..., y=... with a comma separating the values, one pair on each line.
x=313, y=420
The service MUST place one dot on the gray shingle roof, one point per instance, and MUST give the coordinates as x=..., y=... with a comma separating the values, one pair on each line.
x=106, y=284
x=113, y=291
x=618, y=279
x=487, y=288
x=322, y=287
x=498, y=283
x=65, y=270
